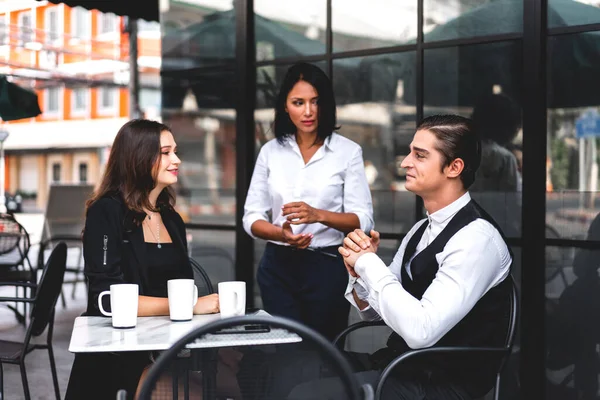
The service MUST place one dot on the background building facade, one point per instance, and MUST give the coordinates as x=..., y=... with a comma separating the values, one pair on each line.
x=76, y=60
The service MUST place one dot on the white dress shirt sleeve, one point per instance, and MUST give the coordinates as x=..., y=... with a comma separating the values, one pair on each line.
x=368, y=313
x=357, y=195
x=474, y=260
x=258, y=202
x=371, y=312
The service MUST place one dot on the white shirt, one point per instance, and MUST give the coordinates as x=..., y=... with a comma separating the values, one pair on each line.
x=333, y=180
x=473, y=261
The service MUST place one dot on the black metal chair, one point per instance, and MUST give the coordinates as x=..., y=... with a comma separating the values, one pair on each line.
x=14, y=261
x=216, y=261
x=201, y=279
x=504, y=352
x=275, y=325
x=42, y=317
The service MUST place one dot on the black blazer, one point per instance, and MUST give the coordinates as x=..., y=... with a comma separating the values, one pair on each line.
x=114, y=252
x=114, y=249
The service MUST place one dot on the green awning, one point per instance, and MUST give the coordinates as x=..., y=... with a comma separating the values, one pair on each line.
x=17, y=102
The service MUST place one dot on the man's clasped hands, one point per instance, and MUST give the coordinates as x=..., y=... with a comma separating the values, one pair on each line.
x=355, y=244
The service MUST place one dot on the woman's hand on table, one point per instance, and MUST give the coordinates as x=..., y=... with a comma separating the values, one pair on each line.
x=207, y=304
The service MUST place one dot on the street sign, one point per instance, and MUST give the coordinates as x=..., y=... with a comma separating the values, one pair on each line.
x=588, y=124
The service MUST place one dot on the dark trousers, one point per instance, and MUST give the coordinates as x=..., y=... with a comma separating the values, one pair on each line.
x=101, y=375
x=306, y=286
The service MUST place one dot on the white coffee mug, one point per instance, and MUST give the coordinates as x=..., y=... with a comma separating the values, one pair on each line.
x=123, y=304
x=183, y=296
x=232, y=298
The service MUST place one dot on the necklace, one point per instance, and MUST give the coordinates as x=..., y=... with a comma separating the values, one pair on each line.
x=157, y=237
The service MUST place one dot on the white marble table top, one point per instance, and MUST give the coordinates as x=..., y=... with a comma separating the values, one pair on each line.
x=96, y=334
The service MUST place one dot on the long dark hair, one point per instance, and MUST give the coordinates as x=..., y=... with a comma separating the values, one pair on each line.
x=283, y=125
x=132, y=167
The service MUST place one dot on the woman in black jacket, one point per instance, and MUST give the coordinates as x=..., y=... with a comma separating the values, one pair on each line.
x=132, y=234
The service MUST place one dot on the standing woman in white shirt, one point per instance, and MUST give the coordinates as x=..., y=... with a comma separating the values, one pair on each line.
x=307, y=191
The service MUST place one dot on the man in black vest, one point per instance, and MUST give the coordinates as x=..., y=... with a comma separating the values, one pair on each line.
x=447, y=283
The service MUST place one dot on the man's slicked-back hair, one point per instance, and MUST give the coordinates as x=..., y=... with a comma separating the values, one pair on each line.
x=456, y=138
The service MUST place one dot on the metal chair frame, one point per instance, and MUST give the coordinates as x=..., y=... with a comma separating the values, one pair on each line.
x=504, y=351
x=20, y=270
x=200, y=274
x=330, y=353
x=42, y=318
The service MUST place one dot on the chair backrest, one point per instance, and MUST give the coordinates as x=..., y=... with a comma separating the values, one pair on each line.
x=65, y=210
x=201, y=279
x=277, y=327
x=216, y=261
x=13, y=234
x=510, y=333
x=514, y=314
x=48, y=289
x=463, y=351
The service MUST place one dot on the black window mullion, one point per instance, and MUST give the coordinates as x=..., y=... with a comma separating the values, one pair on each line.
x=246, y=75
x=329, y=40
x=420, y=77
x=533, y=379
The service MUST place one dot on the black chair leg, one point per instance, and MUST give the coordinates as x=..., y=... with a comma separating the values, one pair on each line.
x=497, y=386
x=54, y=375
x=24, y=379
x=175, y=381
x=75, y=280
x=20, y=318
x=209, y=374
x=24, y=306
x=186, y=384
x=1, y=383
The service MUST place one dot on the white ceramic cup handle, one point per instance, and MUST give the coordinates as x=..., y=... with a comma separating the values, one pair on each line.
x=195, y=295
x=239, y=302
x=102, y=310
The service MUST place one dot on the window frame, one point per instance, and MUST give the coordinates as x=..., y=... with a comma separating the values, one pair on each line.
x=47, y=28
x=110, y=34
x=110, y=110
x=83, y=110
x=25, y=37
x=60, y=106
x=87, y=27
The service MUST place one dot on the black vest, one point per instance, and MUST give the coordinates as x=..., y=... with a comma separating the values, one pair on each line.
x=485, y=325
